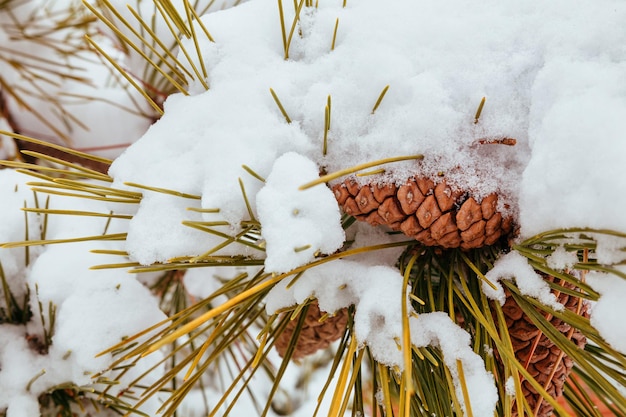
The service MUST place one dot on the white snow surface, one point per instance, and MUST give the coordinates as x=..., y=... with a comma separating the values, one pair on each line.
x=515, y=266
x=607, y=314
x=297, y=224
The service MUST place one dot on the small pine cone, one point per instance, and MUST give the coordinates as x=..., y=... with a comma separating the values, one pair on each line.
x=542, y=358
x=435, y=215
x=315, y=335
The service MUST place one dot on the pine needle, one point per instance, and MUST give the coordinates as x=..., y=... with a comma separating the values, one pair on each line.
x=332, y=45
x=57, y=147
x=380, y=99
x=479, y=110
x=113, y=236
x=164, y=191
x=280, y=105
x=343, y=172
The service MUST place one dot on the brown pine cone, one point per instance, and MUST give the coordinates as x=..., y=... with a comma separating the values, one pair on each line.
x=542, y=358
x=435, y=215
x=314, y=335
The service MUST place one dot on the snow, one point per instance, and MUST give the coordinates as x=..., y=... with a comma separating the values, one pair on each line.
x=553, y=75
x=561, y=259
x=608, y=312
x=515, y=266
x=298, y=225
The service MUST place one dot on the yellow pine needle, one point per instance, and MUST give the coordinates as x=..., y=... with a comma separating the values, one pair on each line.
x=452, y=391
x=355, y=373
x=5, y=87
x=293, y=28
x=228, y=240
x=246, y=201
x=205, y=346
x=280, y=105
x=25, y=168
x=203, y=210
x=506, y=340
x=258, y=288
x=171, y=12
x=96, y=189
x=477, y=271
x=258, y=356
x=58, y=147
x=77, y=213
x=296, y=312
x=204, y=29
x=49, y=190
x=326, y=125
x=406, y=331
x=385, y=384
x=210, y=224
x=301, y=248
x=46, y=186
x=164, y=191
x=188, y=9
x=508, y=354
x=346, y=171
x=380, y=99
x=342, y=380
x=417, y=299
x=332, y=45
x=283, y=30
x=451, y=308
x=128, y=78
x=114, y=236
x=405, y=396
x=176, y=68
x=60, y=161
x=26, y=236
x=463, y=382
x=33, y=379
x=253, y=173
x=144, y=41
x=479, y=110
x=372, y=172
x=109, y=252
x=179, y=42
x=195, y=323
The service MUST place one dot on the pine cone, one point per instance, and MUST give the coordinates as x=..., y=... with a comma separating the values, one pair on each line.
x=435, y=215
x=542, y=358
x=314, y=335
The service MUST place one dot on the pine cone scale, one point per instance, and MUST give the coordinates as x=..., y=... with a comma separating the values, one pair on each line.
x=435, y=215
